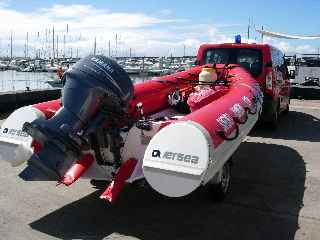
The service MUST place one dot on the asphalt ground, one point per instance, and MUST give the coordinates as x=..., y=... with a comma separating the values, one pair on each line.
x=275, y=194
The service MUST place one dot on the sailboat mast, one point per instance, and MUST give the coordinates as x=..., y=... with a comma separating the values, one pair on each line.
x=109, y=50
x=27, y=50
x=46, y=45
x=248, y=33
x=26, y=46
x=64, y=46
x=57, y=46
x=11, y=45
x=53, y=55
x=116, y=54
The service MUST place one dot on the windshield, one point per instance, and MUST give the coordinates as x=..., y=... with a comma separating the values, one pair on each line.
x=250, y=59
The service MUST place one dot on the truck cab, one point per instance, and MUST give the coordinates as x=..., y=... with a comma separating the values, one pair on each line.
x=265, y=63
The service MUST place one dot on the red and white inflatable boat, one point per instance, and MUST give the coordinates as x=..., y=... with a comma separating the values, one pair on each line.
x=173, y=131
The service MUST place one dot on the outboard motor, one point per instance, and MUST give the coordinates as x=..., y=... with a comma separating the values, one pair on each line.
x=95, y=98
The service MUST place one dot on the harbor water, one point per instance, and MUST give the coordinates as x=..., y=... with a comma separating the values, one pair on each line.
x=13, y=80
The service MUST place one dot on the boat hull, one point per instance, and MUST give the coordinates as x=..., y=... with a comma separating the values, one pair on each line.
x=175, y=151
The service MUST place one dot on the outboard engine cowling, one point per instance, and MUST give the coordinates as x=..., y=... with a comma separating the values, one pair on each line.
x=96, y=92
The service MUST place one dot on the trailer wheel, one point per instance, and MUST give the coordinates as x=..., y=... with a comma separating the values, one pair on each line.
x=286, y=111
x=220, y=189
x=275, y=117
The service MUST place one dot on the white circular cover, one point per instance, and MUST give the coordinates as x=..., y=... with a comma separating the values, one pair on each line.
x=176, y=159
x=15, y=145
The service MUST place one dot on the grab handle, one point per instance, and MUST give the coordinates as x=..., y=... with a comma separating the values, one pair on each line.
x=254, y=107
x=238, y=120
x=222, y=134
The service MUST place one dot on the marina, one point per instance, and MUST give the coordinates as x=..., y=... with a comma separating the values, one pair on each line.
x=21, y=74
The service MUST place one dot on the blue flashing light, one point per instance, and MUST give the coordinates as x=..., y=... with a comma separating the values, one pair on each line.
x=238, y=39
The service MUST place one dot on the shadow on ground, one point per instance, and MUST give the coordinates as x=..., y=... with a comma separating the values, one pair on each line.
x=294, y=126
x=4, y=115
x=266, y=197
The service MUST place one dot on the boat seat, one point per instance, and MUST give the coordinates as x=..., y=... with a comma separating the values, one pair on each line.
x=169, y=113
x=199, y=99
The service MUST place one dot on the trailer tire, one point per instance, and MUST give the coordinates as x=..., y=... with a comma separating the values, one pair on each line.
x=286, y=111
x=220, y=190
x=275, y=117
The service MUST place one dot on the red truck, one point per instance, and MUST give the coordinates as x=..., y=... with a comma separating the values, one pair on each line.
x=265, y=63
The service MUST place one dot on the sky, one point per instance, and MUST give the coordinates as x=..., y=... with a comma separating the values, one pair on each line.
x=149, y=27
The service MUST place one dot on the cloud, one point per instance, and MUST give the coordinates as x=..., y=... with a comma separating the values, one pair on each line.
x=70, y=11
x=306, y=49
x=145, y=34
x=290, y=47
